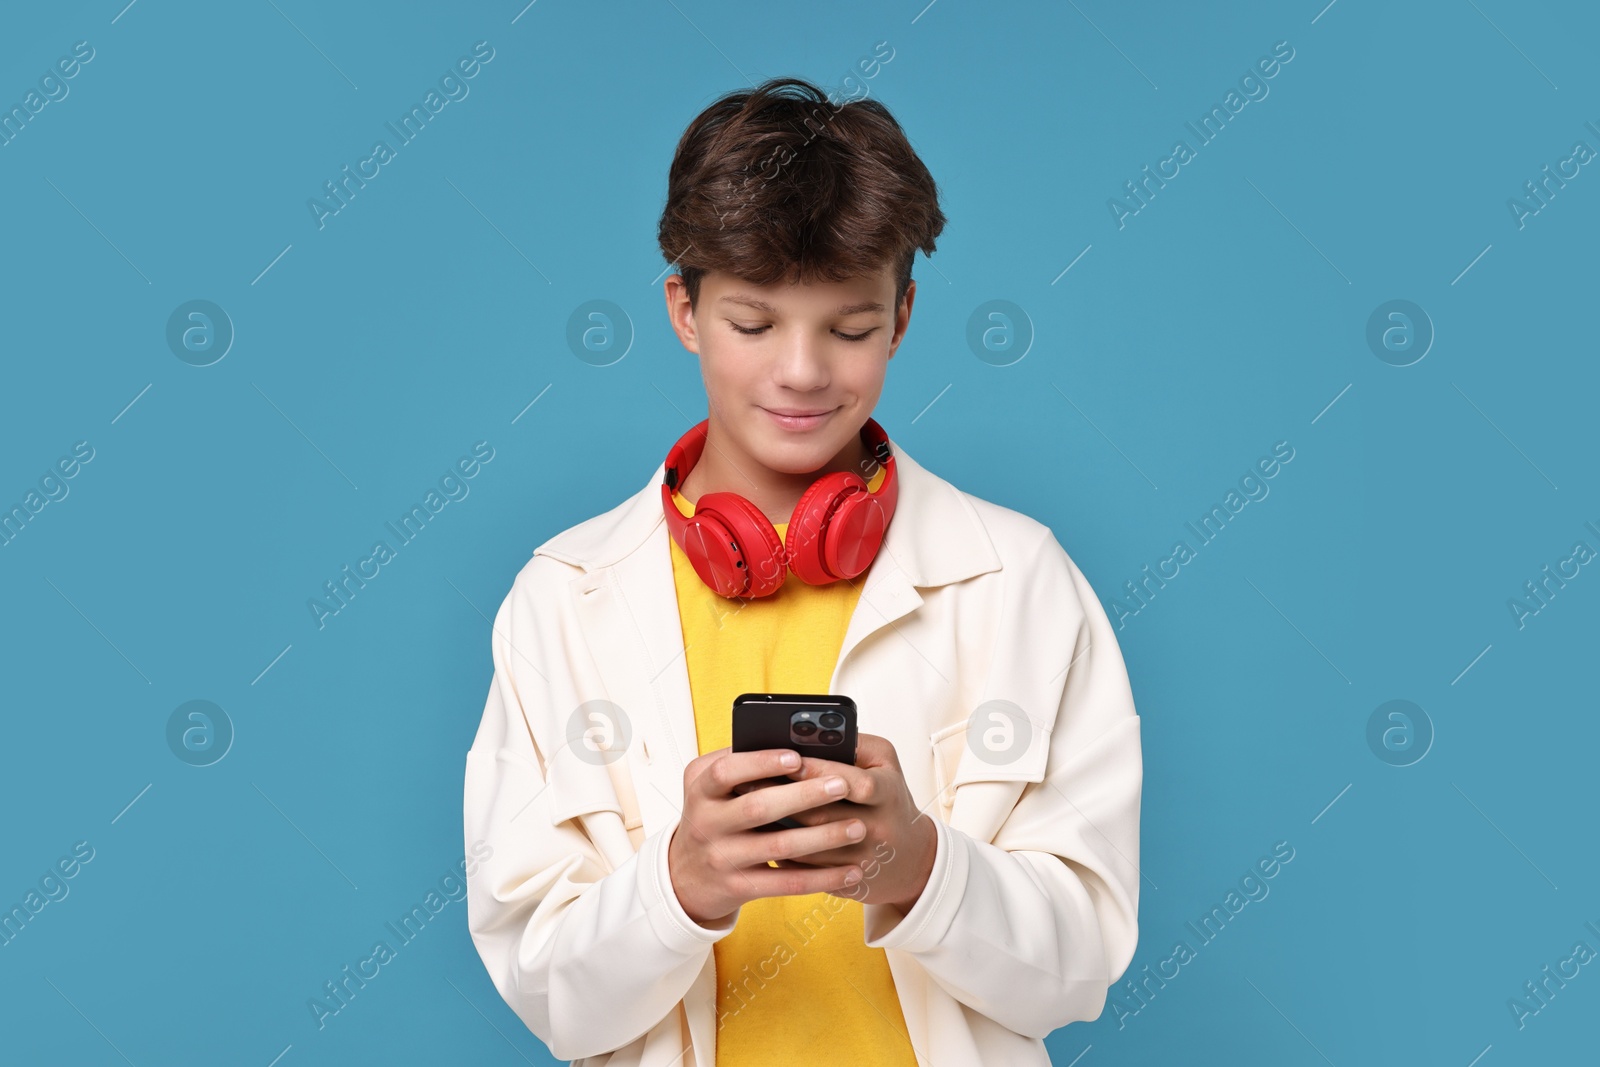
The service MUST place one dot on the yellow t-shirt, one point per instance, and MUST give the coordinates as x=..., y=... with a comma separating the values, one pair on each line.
x=796, y=982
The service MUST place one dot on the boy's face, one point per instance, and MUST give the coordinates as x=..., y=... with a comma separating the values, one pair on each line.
x=788, y=349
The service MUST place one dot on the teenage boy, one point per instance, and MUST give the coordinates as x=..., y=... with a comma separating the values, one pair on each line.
x=971, y=882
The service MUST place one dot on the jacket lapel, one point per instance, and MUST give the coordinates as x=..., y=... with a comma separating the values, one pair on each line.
x=628, y=613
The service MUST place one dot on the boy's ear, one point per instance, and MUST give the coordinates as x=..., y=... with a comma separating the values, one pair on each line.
x=681, y=313
x=902, y=318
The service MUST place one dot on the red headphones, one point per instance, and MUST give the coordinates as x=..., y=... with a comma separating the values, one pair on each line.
x=835, y=532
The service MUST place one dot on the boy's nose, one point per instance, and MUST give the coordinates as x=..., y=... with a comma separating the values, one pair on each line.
x=802, y=365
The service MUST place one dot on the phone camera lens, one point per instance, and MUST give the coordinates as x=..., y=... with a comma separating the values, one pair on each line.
x=830, y=737
x=832, y=720
x=804, y=728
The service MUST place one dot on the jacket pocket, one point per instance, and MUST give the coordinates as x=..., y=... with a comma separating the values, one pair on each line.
x=1014, y=752
x=1010, y=758
x=588, y=793
x=577, y=786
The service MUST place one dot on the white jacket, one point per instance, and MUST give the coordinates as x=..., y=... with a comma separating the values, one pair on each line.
x=1031, y=911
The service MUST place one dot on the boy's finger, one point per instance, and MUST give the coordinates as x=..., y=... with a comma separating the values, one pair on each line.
x=783, y=800
x=812, y=767
x=816, y=879
x=737, y=768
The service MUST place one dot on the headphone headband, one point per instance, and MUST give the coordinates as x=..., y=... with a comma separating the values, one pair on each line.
x=686, y=453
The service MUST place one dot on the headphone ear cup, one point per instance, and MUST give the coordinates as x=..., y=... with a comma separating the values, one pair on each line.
x=746, y=537
x=713, y=554
x=813, y=536
x=854, y=534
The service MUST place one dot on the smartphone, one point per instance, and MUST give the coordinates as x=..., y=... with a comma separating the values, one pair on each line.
x=817, y=725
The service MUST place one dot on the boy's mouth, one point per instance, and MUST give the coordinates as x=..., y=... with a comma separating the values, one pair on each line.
x=799, y=418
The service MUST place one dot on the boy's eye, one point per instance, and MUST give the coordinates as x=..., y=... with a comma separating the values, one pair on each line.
x=763, y=329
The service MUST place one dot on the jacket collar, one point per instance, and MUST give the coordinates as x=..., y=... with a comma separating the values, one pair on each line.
x=935, y=537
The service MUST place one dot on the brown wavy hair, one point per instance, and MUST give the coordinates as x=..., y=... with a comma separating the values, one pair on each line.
x=778, y=182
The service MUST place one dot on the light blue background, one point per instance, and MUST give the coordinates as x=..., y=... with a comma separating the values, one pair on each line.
x=1226, y=316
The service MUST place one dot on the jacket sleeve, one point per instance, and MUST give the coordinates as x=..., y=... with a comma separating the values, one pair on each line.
x=588, y=957
x=1032, y=927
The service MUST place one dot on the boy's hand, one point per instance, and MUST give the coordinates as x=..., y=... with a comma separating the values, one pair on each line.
x=897, y=851
x=718, y=861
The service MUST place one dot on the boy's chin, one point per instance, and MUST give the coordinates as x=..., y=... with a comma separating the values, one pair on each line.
x=796, y=453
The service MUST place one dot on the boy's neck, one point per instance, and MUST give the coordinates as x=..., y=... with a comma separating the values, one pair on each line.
x=725, y=468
